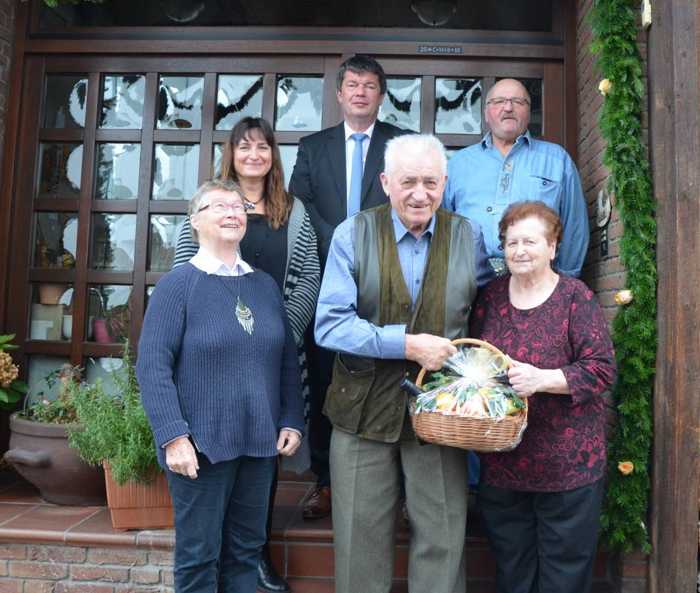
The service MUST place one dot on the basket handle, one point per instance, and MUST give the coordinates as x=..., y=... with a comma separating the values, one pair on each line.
x=473, y=342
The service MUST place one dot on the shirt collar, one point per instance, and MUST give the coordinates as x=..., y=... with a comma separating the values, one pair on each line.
x=209, y=263
x=400, y=231
x=349, y=132
x=487, y=140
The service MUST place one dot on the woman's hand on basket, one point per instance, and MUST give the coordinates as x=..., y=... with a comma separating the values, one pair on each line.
x=527, y=380
x=288, y=442
x=181, y=458
x=429, y=351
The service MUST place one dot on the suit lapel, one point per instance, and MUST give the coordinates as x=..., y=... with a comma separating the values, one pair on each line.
x=335, y=147
x=375, y=158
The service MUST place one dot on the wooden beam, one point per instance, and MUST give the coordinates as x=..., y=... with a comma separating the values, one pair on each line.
x=7, y=173
x=675, y=151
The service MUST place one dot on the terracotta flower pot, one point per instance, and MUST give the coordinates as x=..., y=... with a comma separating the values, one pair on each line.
x=50, y=294
x=40, y=453
x=139, y=506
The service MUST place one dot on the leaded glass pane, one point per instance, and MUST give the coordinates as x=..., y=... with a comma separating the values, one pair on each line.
x=60, y=168
x=117, y=171
x=64, y=102
x=109, y=313
x=401, y=105
x=175, y=171
x=162, y=239
x=299, y=104
x=288, y=154
x=238, y=96
x=122, y=101
x=55, y=240
x=180, y=102
x=113, y=239
x=51, y=313
x=457, y=106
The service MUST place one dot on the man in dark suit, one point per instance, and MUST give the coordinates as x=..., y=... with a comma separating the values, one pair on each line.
x=336, y=175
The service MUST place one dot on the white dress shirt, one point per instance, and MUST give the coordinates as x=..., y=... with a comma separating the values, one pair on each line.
x=207, y=262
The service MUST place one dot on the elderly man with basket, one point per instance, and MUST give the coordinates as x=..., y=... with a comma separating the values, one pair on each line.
x=398, y=286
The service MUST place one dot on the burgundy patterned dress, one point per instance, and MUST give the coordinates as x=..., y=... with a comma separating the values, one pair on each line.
x=563, y=446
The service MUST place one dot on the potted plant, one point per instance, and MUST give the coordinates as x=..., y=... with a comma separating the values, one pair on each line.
x=39, y=448
x=11, y=388
x=114, y=431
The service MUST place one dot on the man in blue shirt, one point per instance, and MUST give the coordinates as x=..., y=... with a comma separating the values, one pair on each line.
x=507, y=166
x=398, y=286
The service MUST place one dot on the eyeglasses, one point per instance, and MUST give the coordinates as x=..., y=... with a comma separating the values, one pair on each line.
x=501, y=101
x=221, y=208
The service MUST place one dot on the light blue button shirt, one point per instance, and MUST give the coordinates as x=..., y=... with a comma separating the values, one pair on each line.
x=482, y=183
x=338, y=327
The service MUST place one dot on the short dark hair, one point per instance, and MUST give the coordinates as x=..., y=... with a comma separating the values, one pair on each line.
x=521, y=210
x=360, y=63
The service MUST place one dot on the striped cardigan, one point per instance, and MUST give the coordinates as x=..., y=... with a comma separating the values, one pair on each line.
x=301, y=283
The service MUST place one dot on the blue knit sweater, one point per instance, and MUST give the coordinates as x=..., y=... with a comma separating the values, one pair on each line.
x=202, y=374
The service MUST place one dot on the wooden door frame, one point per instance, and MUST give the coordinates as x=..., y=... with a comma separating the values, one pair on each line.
x=674, y=94
x=549, y=50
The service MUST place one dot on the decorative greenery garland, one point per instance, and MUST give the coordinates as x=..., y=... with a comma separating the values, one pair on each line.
x=615, y=29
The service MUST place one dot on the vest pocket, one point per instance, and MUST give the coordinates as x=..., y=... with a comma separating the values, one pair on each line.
x=353, y=377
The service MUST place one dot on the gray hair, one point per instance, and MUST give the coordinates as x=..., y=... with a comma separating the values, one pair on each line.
x=198, y=200
x=415, y=146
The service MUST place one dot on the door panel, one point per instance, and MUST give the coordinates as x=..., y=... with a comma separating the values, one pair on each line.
x=105, y=172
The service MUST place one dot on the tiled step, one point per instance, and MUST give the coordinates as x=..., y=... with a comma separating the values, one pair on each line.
x=303, y=550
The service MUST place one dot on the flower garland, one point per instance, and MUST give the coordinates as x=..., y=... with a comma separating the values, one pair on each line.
x=615, y=29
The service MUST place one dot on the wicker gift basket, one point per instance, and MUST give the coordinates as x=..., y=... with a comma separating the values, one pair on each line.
x=465, y=432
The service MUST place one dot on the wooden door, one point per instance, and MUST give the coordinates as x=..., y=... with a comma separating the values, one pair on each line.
x=113, y=147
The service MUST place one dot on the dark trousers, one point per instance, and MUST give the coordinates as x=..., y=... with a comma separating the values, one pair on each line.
x=220, y=522
x=544, y=542
x=321, y=371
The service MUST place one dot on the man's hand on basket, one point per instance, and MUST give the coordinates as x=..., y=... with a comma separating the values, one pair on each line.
x=428, y=351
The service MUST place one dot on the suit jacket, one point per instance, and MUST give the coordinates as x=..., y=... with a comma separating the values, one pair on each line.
x=319, y=177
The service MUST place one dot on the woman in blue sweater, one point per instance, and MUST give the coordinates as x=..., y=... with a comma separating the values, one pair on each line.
x=220, y=383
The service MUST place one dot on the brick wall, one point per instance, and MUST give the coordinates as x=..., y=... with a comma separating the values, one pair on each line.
x=605, y=275
x=43, y=568
x=7, y=30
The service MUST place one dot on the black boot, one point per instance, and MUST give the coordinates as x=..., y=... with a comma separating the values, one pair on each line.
x=268, y=579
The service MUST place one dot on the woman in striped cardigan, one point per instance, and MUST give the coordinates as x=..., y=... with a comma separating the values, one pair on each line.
x=280, y=241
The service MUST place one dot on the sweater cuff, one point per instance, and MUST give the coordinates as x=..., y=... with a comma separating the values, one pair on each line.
x=293, y=430
x=170, y=432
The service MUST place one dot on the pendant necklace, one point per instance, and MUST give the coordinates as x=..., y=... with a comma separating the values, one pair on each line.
x=243, y=312
x=249, y=204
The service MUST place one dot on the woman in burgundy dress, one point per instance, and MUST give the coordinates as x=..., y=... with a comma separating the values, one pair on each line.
x=541, y=502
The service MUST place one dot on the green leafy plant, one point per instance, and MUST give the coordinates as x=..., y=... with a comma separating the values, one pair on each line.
x=59, y=410
x=11, y=388
x=114, y=429
x=615, y=30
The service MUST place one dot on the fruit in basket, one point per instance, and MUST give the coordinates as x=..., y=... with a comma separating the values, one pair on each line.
x=444, y=401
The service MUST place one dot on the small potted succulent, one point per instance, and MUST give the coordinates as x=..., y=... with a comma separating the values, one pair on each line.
x=39, y=448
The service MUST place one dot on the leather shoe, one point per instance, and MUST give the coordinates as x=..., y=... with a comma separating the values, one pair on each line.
x=318, y=505
x=268, y=579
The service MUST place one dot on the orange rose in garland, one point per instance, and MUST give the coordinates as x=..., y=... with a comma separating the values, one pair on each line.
x=625, y=467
